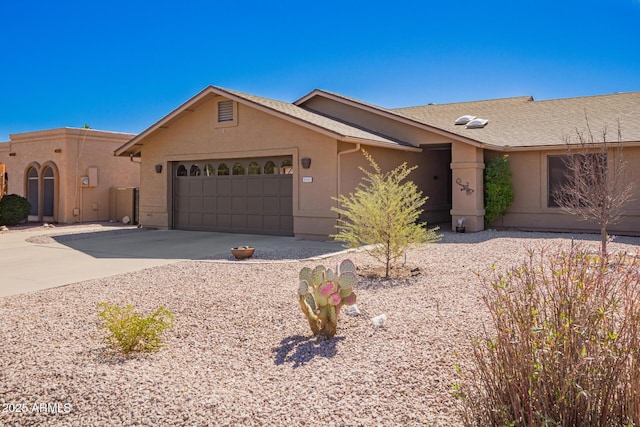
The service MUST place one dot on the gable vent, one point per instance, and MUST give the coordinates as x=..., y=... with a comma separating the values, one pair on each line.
x=477, y=123
x=463, y=120
x=225, y=111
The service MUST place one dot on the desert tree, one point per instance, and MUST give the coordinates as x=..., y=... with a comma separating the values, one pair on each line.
x=383, y=214
x=595, y=186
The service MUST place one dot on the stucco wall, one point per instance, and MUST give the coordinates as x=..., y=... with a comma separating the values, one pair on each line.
x=196, y=135
x=529, y=209
x=431, y=176
x=70, y=152
x=376, y=122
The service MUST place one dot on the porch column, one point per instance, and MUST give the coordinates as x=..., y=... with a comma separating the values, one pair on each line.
x=467, y=166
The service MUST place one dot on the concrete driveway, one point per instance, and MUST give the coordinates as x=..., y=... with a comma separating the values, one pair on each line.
x=39, y=258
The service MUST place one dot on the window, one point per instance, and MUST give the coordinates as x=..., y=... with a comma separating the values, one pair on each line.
x=238, y=168
x=195, y=170
x=182, y=171
x=225, y=111
x=585, y=170
x=254, y=168
x=270, y=168
x=209, y=170
x=287, y=167
x=223, y=169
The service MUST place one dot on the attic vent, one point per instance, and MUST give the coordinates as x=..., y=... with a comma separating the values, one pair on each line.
x=477, y=123
x=225, y=111
x=464, y=120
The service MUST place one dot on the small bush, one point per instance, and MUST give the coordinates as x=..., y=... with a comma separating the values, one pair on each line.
x=565, y=345
x=383, y=214
x=129, y=331
x=13, y=209
x=498, y=190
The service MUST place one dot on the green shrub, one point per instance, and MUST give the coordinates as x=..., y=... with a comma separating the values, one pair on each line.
x=383, y=213
x=13, y=209
x=129, y=331
x=498, y=191
x=564, y=347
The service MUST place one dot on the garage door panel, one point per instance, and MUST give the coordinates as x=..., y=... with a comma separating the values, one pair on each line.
x=271, y=185
x=239, y=222
x=285, y=205
x=209, y=187
x=224, y=221
x=224, y=204
x=239, y=185
x=224, y=185
x=209, y=204
x=254, y=204
x=239, y=204
x=254, y=222
x=286, y=222
x=195, y=204
x=209, y=220
x=195, y=187
x=255, y=186
x=257, y=203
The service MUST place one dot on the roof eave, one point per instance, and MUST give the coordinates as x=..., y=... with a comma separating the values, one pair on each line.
x=370, y=142
x=126, y=148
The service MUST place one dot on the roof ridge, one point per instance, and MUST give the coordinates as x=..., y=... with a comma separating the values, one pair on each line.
x=528, y=98
x=603, y=95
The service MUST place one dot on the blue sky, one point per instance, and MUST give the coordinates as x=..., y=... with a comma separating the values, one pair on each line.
x=122, y=65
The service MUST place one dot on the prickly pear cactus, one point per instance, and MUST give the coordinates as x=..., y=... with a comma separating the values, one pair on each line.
x=323, y=292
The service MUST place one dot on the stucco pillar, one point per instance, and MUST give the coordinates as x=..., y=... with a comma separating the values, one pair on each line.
x=467, y=166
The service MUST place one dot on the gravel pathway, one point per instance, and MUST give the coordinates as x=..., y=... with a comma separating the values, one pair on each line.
x=241, y=352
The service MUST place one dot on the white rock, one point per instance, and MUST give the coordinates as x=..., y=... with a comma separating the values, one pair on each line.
x=352, y=310
x=379, y=321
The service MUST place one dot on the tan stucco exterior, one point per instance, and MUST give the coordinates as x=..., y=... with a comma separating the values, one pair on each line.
x=72, y=154
x=331, y=130
x=530, y=210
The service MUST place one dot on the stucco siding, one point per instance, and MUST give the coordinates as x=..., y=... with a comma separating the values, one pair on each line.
x=530, y=211
x=70, y=152
x=196, y=136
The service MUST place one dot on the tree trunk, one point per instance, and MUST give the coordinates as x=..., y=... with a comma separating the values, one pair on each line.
x=603, y=239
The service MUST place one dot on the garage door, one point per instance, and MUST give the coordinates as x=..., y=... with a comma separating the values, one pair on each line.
x=238, y=195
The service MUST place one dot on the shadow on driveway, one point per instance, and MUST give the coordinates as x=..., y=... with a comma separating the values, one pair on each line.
x=191, y=245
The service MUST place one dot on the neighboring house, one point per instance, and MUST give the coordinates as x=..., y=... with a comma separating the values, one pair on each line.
x=67, y=173
x=229, y=161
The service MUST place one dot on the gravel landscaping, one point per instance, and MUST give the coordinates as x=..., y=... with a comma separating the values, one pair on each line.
x=241, y=352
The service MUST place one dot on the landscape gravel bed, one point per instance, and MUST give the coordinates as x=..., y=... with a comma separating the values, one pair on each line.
x=241, y=352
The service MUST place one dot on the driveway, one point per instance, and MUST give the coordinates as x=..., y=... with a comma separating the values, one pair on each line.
x=39, y=258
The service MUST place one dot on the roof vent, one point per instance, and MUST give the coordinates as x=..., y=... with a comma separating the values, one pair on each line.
x=477, y=123
x=464, y=120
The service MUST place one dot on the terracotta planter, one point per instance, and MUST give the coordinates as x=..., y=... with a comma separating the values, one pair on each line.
x=242, y=252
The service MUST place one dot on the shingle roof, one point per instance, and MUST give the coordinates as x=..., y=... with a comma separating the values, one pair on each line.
x=523, y=122
x=330, y=124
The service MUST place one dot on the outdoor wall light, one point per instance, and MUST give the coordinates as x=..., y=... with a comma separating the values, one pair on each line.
x=306, y=162
x=158, y=168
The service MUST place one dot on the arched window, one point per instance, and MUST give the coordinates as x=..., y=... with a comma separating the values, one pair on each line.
x=32, y=190
x=270, y=168
x=287, y=167
x=182, y=171
x=238, y=168
x=254, y=168
x=48, y=188
x=223, y=169
x=209, y=170
x=195, y=170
